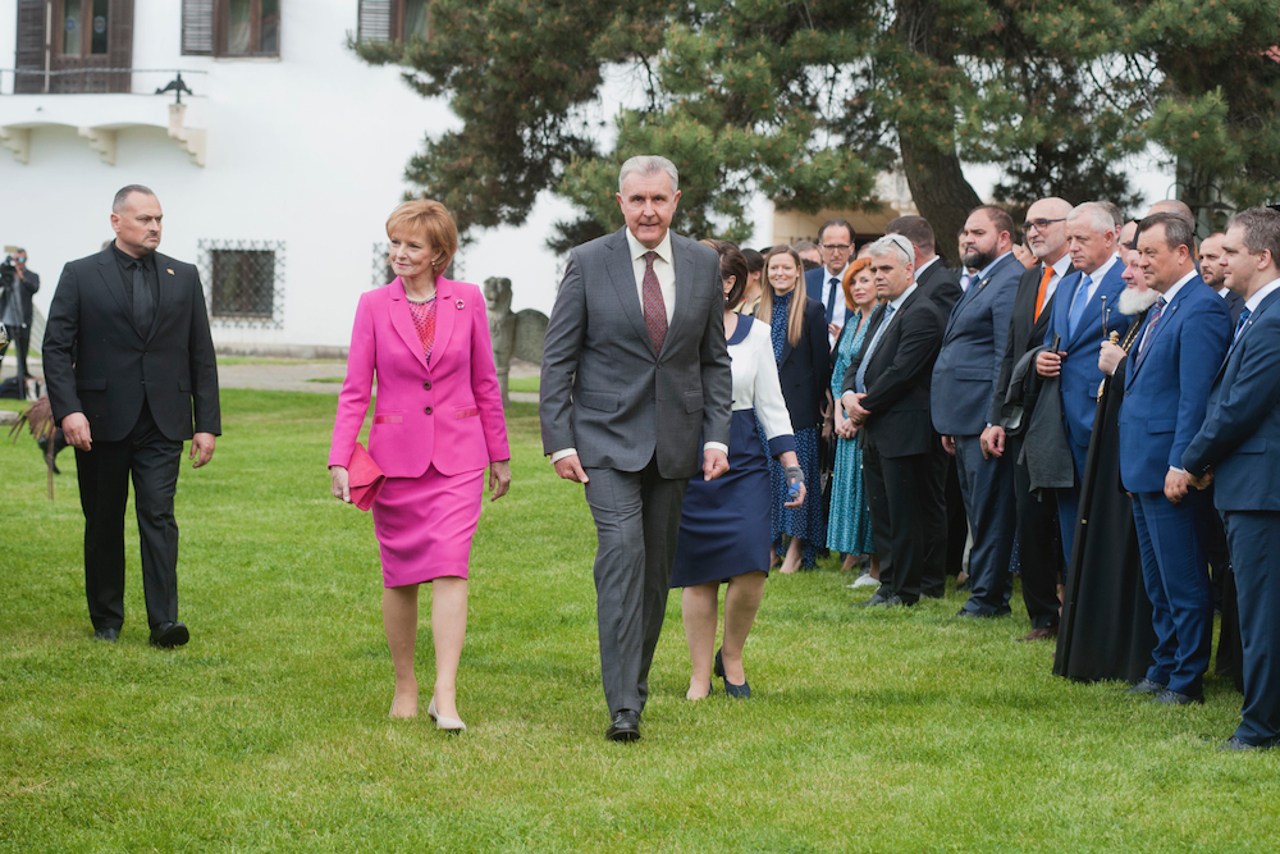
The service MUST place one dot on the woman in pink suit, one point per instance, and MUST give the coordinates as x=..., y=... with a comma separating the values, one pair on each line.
x=437, y=423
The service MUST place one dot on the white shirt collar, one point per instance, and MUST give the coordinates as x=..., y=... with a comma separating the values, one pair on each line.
x=1101, y=273
x=1177, y=286
x=897, y=303
x=1254, y=301
x=638, y=249
x=827, y=275
x=926, y=266
x=1062, y=266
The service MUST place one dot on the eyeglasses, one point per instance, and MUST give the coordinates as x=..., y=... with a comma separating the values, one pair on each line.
x=837, y=247
x=1040, y=224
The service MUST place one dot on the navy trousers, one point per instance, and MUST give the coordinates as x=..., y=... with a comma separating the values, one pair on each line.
x=987, y=487
x=1172, y=539
x=1254, y=537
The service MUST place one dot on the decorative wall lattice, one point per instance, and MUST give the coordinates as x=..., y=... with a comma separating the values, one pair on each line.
x=244, y=282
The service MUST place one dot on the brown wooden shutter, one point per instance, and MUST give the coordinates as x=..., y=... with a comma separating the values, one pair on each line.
x=197, y=27
x=375, y=20
x=120, y=45
x=30, y=53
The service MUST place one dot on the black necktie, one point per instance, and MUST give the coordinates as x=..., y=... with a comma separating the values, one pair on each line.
x=831, y=299
x=144, y=306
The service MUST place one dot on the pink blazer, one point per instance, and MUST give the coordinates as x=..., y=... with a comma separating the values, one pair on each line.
x=446, y=413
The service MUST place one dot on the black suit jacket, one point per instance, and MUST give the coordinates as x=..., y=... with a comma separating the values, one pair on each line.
x=805, y=370
x=942, y=286
x=96, y=361
x=899, y=376
x=1025, y=332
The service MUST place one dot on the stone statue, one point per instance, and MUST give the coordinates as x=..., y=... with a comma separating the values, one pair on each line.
x=516, y=335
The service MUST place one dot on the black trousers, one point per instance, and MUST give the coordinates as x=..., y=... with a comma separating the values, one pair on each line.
x=20, y=340
x=1039, y=550
x=898, y=489
x=104, y=473
x=957, y=523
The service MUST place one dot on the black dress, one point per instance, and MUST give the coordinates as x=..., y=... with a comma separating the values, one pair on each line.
x=1106, y=630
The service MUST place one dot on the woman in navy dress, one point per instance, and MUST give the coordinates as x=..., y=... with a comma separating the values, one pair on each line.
x=849, y=522
x=724, y=525
x=798, y=329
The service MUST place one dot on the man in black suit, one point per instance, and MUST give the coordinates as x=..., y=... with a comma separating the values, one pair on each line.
x=19, y=284
x=128, y=358
x=1037, y=516
x=886, y=396
x=946, y=526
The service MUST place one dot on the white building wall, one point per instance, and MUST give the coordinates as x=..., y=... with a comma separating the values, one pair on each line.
x=309, y=149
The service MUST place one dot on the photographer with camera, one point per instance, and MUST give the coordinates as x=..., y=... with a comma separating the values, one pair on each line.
x=17, y=285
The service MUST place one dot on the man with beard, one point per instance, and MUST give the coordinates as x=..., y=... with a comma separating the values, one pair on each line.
x=1165, y=393
x=1235, y=448
x=1213, y=269
x=965, y=377
x=1037, y=517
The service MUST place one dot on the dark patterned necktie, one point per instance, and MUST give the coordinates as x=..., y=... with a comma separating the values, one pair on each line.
x=144, y=306
x=1244, y=318
x=655, y=310
x=1151, y=326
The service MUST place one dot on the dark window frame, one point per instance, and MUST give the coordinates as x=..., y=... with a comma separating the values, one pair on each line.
x=205, y=29
x=254, y=311
x=393, y=21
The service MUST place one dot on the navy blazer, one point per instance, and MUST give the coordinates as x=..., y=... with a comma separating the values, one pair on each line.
x=1081, y=376
x=815, y=286
x=1167, y=386
x=967, y=372
x=805, y=370
x=1240, y=436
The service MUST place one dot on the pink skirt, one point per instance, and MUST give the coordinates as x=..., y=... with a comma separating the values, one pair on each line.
x=425, y=524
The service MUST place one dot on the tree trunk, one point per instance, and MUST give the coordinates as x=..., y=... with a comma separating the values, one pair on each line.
x=941, y=193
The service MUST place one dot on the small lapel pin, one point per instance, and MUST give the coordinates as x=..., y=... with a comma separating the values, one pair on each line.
x=461, y=305
x=169, y=271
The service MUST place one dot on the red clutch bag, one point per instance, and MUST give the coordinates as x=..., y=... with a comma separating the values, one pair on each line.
x=364, y=478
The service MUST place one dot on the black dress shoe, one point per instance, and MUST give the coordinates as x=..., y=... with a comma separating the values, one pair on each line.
x=110, y=634
x=625, y=726
x=1173, y=698
x=1146, y=686
x=896, y=601
x=169, y=635
x=877, y=598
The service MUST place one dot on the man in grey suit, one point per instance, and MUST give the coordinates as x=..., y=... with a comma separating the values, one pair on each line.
x=965, y=378
x=634, y=370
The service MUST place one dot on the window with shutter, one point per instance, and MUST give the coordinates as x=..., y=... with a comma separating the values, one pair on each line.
x=375, y=21
x=197, y=26
x=30, y=54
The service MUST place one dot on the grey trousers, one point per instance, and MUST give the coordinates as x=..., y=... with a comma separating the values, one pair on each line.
x=637, y=518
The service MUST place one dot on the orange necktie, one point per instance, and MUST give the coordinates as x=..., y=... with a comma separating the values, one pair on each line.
x=1044, y=283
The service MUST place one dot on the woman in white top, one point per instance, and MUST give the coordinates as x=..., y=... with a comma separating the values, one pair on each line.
x=724, y=526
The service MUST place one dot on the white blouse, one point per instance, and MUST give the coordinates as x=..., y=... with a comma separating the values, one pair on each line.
x=755, y=379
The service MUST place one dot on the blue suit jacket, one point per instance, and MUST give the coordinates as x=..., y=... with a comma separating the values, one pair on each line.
x=1081, y=375
x=967, y=372
x=815, y=286
x=1167, y=386
x=1241, y=433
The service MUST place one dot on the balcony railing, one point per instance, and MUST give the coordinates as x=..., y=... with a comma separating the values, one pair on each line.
x=79, y=81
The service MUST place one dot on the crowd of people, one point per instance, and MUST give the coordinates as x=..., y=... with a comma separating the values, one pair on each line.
x=1089, y=401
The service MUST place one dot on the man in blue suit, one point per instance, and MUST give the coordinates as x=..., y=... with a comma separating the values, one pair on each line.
x=1236, y=447
x=835, y=242
x=1173, y=363
x=965, y=377
x=1084, y=314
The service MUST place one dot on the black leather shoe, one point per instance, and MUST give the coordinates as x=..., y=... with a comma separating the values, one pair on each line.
x=1146, y=686
x=1237, y=744
x=109, y=634
x=742, y=692
x=877, y=598
x=719, y=668
x=1173, y=698
x=169, y=635
x=625, y=726
x=896, y=601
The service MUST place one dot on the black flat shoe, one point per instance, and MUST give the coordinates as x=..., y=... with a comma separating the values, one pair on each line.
x=742, y=692
x=625, y=726
x=109, y=634
x=719, y=669
x=169, y=635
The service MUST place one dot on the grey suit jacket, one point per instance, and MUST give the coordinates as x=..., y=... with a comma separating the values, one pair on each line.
x=606, y=393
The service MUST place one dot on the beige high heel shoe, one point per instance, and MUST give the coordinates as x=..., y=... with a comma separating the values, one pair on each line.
x=448, y=724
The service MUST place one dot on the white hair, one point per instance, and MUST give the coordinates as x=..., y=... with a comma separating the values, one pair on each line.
x=649, y=164
x=891, y=243
x=1100, y=217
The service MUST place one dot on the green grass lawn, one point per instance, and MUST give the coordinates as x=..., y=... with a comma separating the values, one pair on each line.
x=529, y=384
x=905, y=730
